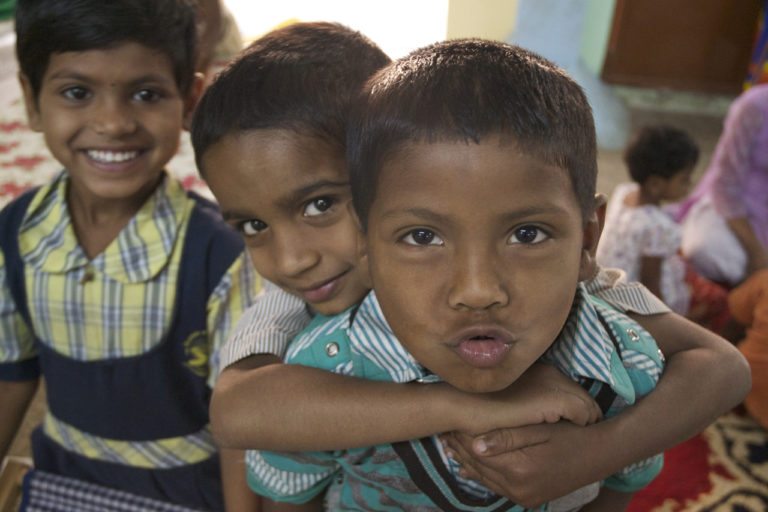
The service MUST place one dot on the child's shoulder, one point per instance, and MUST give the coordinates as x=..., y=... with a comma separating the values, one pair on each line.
x=628, y=335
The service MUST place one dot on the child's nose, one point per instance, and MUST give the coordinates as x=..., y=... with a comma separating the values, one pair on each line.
x=476, y=284
x=294, y=257
x=112, y=119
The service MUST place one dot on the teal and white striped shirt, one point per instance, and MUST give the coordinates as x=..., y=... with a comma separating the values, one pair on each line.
x=407, y=475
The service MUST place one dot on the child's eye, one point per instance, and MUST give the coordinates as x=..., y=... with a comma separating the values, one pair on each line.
x=252, y=227
x=422, y=237
x=147, y=95
x=528, y=235
x=318, y=206
x=76, y=93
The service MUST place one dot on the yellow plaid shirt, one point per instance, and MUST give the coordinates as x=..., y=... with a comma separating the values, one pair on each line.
x=119, y=304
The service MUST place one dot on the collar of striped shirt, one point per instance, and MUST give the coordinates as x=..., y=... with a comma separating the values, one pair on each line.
x=47, y=239
x=582, y=350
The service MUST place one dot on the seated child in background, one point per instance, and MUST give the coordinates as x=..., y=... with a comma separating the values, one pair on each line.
x=749, y=306
x=118, y=287
x=642, y=239
x=237, y=119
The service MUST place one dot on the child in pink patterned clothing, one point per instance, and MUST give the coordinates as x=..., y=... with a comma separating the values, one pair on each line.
x=644, y=240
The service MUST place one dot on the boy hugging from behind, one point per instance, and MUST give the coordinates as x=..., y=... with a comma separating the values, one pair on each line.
x=473, y=169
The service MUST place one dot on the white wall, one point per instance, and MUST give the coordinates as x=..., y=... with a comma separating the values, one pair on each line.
x=398, y=26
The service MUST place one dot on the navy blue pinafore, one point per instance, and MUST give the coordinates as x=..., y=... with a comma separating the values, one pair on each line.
x=147, y=397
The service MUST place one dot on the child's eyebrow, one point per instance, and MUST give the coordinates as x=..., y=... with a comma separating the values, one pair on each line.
x=302, y=193
x=229, y=215
x=422, y=213
x=521, y=213
x=290, y=200
x=64, y=74
x=152, y=78
x=70, y=75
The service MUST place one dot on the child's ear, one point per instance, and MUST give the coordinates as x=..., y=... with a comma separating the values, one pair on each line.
x=592, y=229
x=30, y=103
x=196, y=90
x=601, y=205
x=362, y=249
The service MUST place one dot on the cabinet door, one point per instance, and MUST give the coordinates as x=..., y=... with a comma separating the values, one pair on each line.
x=693, y=45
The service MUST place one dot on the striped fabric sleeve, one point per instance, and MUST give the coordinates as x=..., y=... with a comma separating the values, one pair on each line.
x=16, y=342
x=295, y=477
x=611, y=285
x=266, y=327
x=236, y=291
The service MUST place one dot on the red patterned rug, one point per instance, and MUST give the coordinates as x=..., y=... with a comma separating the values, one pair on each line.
x=723, y=469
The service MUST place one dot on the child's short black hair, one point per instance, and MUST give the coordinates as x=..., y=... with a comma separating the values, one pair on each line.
x=301, y=77
x=45, y=27
x=660, y=150
x=465, y=90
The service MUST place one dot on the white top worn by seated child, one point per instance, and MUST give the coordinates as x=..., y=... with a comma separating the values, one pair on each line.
x=634, y=232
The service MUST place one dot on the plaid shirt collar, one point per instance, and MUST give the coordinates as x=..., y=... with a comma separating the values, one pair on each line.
x=48, y=243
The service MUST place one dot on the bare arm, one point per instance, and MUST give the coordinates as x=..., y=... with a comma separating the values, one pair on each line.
x=650, y=273
x=15, y=397
x=238, y=497
x=275, y=506
x=757, y=257
x=705, y=376
x=347, y=412
x=608, y=501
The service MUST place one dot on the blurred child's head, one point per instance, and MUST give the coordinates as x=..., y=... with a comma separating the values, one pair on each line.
x=110, y=85
x=662, y=158
x=270, y=137
x=473, y=169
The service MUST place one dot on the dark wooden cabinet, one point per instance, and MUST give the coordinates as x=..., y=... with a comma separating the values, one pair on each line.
x=691, y=45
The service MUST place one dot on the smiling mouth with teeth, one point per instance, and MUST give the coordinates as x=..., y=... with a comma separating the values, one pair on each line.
x=112, y=156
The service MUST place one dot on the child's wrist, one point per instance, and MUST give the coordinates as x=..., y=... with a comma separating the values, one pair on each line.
x=451, y=408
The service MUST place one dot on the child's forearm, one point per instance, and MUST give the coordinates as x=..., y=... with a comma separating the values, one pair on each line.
x=608, y=501
x=705, y=376
x=316, y=408
x=237, y=495
x=650, y=274
x=292, y=407
x=15, y=397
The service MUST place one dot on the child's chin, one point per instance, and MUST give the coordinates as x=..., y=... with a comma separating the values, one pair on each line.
x=480, y=384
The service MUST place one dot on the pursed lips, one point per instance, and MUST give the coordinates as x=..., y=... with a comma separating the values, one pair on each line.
x=482, y=346
x=482, y=332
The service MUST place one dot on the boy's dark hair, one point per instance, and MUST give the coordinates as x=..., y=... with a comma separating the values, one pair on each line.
x=302, y=77
x=465, y=90
x=660, y=151
x=45, y=27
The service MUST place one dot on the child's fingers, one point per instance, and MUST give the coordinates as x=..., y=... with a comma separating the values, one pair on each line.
x=457, y=449
x=509, y=439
